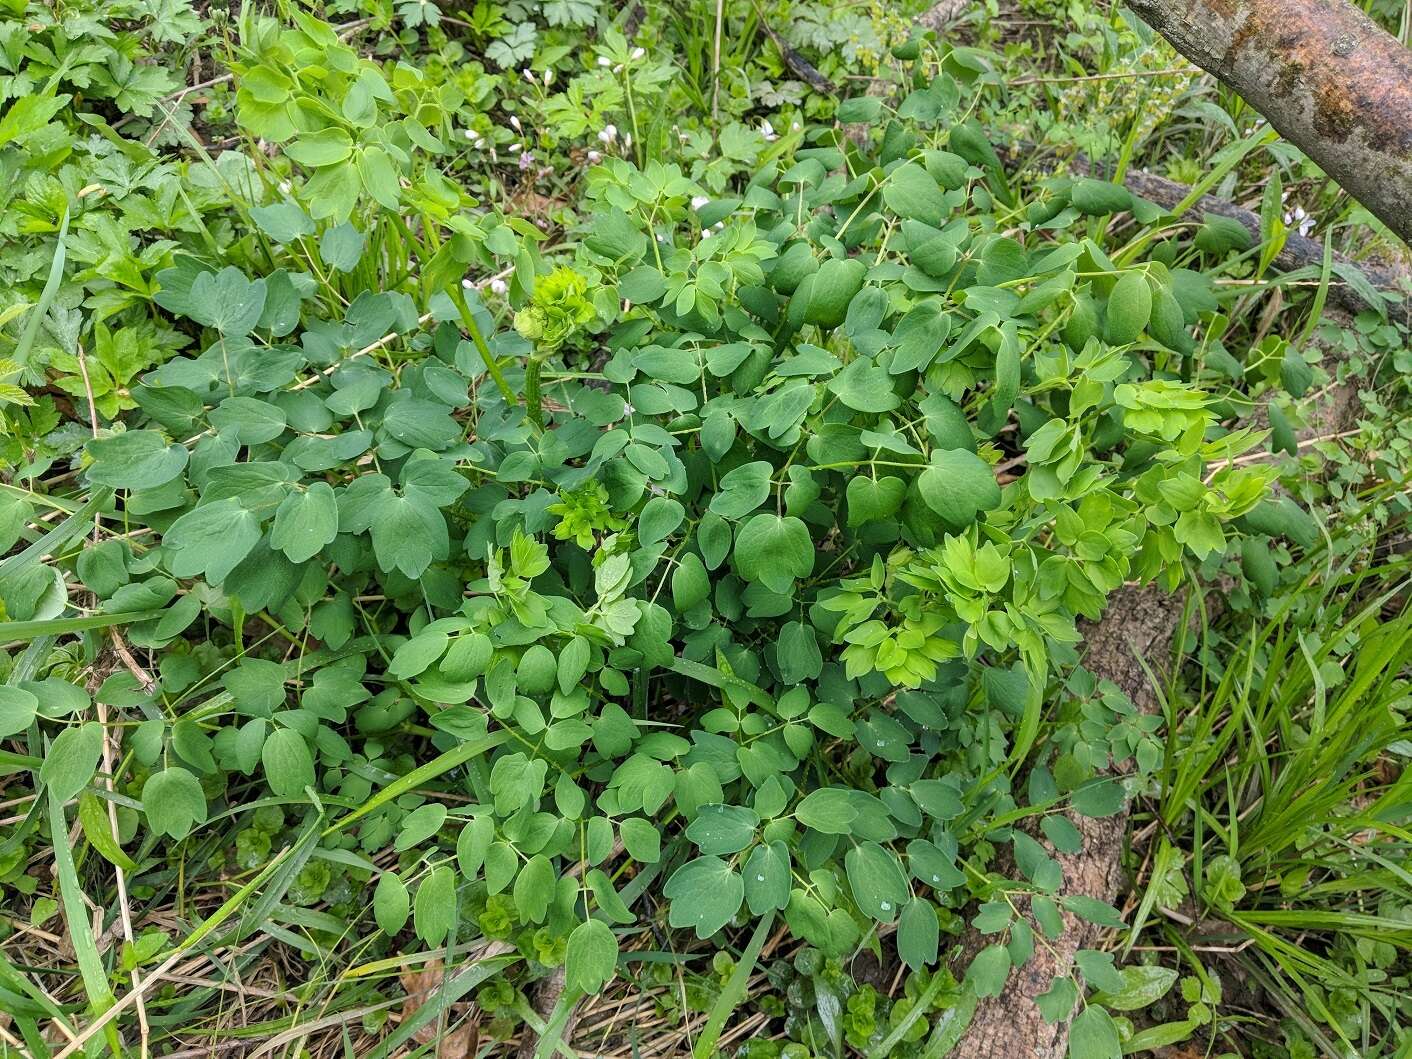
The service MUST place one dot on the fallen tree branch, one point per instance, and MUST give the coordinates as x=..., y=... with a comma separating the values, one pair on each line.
x=801, y=66
x=1332, y=81
x=1298, y=251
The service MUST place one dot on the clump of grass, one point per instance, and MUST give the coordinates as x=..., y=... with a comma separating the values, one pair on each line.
x=1277, y=841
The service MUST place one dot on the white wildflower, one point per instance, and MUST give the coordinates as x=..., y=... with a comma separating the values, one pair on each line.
x=1299, y=220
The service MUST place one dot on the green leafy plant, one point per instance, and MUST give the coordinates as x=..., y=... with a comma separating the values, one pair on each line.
x=529, y=489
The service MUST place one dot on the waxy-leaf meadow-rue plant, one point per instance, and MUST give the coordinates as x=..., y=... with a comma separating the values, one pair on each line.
x=739, y=553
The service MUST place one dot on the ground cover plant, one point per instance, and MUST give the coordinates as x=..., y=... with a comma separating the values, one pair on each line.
x=510, y=511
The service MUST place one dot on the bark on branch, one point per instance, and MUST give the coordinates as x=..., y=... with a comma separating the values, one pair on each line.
x=1324, y=74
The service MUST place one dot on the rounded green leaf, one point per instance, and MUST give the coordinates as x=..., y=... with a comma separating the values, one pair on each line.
x=322, y=148
x=1129, y=309
x=723, y=829
x=591, y=959
x=767, y=877
x=174, y=802
x=537, y=670
x=958, y=485
x=1094, y=1035
x=989, y=970
x=911, y=193
x=416, y=654
x=705, y=894
x=306, y=520
x=774, y=551
x=918, y=934
x=17, y=709
x=660, y=517
x=467, y=657
x=690, y=582
x=534, y=888
x=289, y=766
x=72, y=760
x=391, y=903
x=834, y=286
x=420, y=824
x=1098, y=197
x=434, y=911
x=873, y=499
x=135, y=459
x=1082, y=323
x=877, y=882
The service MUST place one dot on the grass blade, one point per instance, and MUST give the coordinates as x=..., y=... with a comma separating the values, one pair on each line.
x=15, y=631
x=734, y=992
x=917, y=1010
x=456, y=987
x=46, y=296
x=60, y=535
x=90, y=964
x=443, y=763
